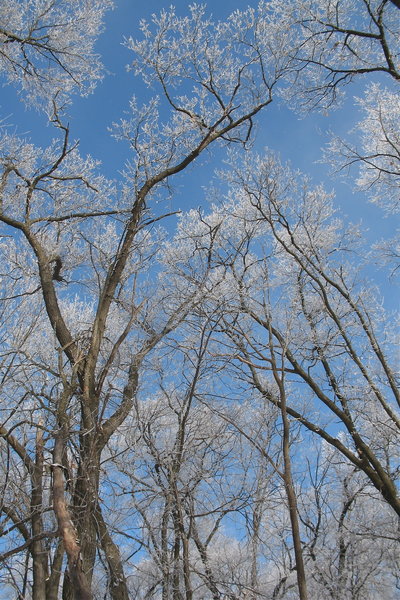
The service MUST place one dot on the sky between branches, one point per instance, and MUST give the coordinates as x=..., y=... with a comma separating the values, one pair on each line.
x=297, y=139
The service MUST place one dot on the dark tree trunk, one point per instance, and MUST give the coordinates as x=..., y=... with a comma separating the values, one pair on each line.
x=38, y=551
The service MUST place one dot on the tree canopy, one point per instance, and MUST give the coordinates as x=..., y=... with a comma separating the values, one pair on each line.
x=199, y=402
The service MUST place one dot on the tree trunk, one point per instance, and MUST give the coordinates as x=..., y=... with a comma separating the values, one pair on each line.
x=38, y=551
x=278, y=374
x=292, y=502
x=53, y=582
x=117, y=585
x=84, y=504
x=79, y=582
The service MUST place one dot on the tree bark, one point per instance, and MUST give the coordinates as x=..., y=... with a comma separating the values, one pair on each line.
x=278, y=374
x=53, y=582
x=117, y=586
x=79, y=582
x=38, y=552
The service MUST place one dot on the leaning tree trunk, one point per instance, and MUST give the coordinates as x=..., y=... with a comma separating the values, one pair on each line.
x=79, y=582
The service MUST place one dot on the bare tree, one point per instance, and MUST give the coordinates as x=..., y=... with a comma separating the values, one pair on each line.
x=47, y=48
x=337, y=42
x=333, y=345
x=78, y=232
x=117, y=475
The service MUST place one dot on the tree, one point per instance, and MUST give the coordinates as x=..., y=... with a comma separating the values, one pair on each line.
x=337, y=520
x=338, y=42
x=141, y=370
x=335, y=44
x=274, y=250
x=378, y=154
x=47, y=48
x=78, y=232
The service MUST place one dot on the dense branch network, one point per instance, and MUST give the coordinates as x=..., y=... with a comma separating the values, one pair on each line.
x=160, y=391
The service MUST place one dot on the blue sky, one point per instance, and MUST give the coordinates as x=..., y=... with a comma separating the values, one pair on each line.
x=298, y=140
